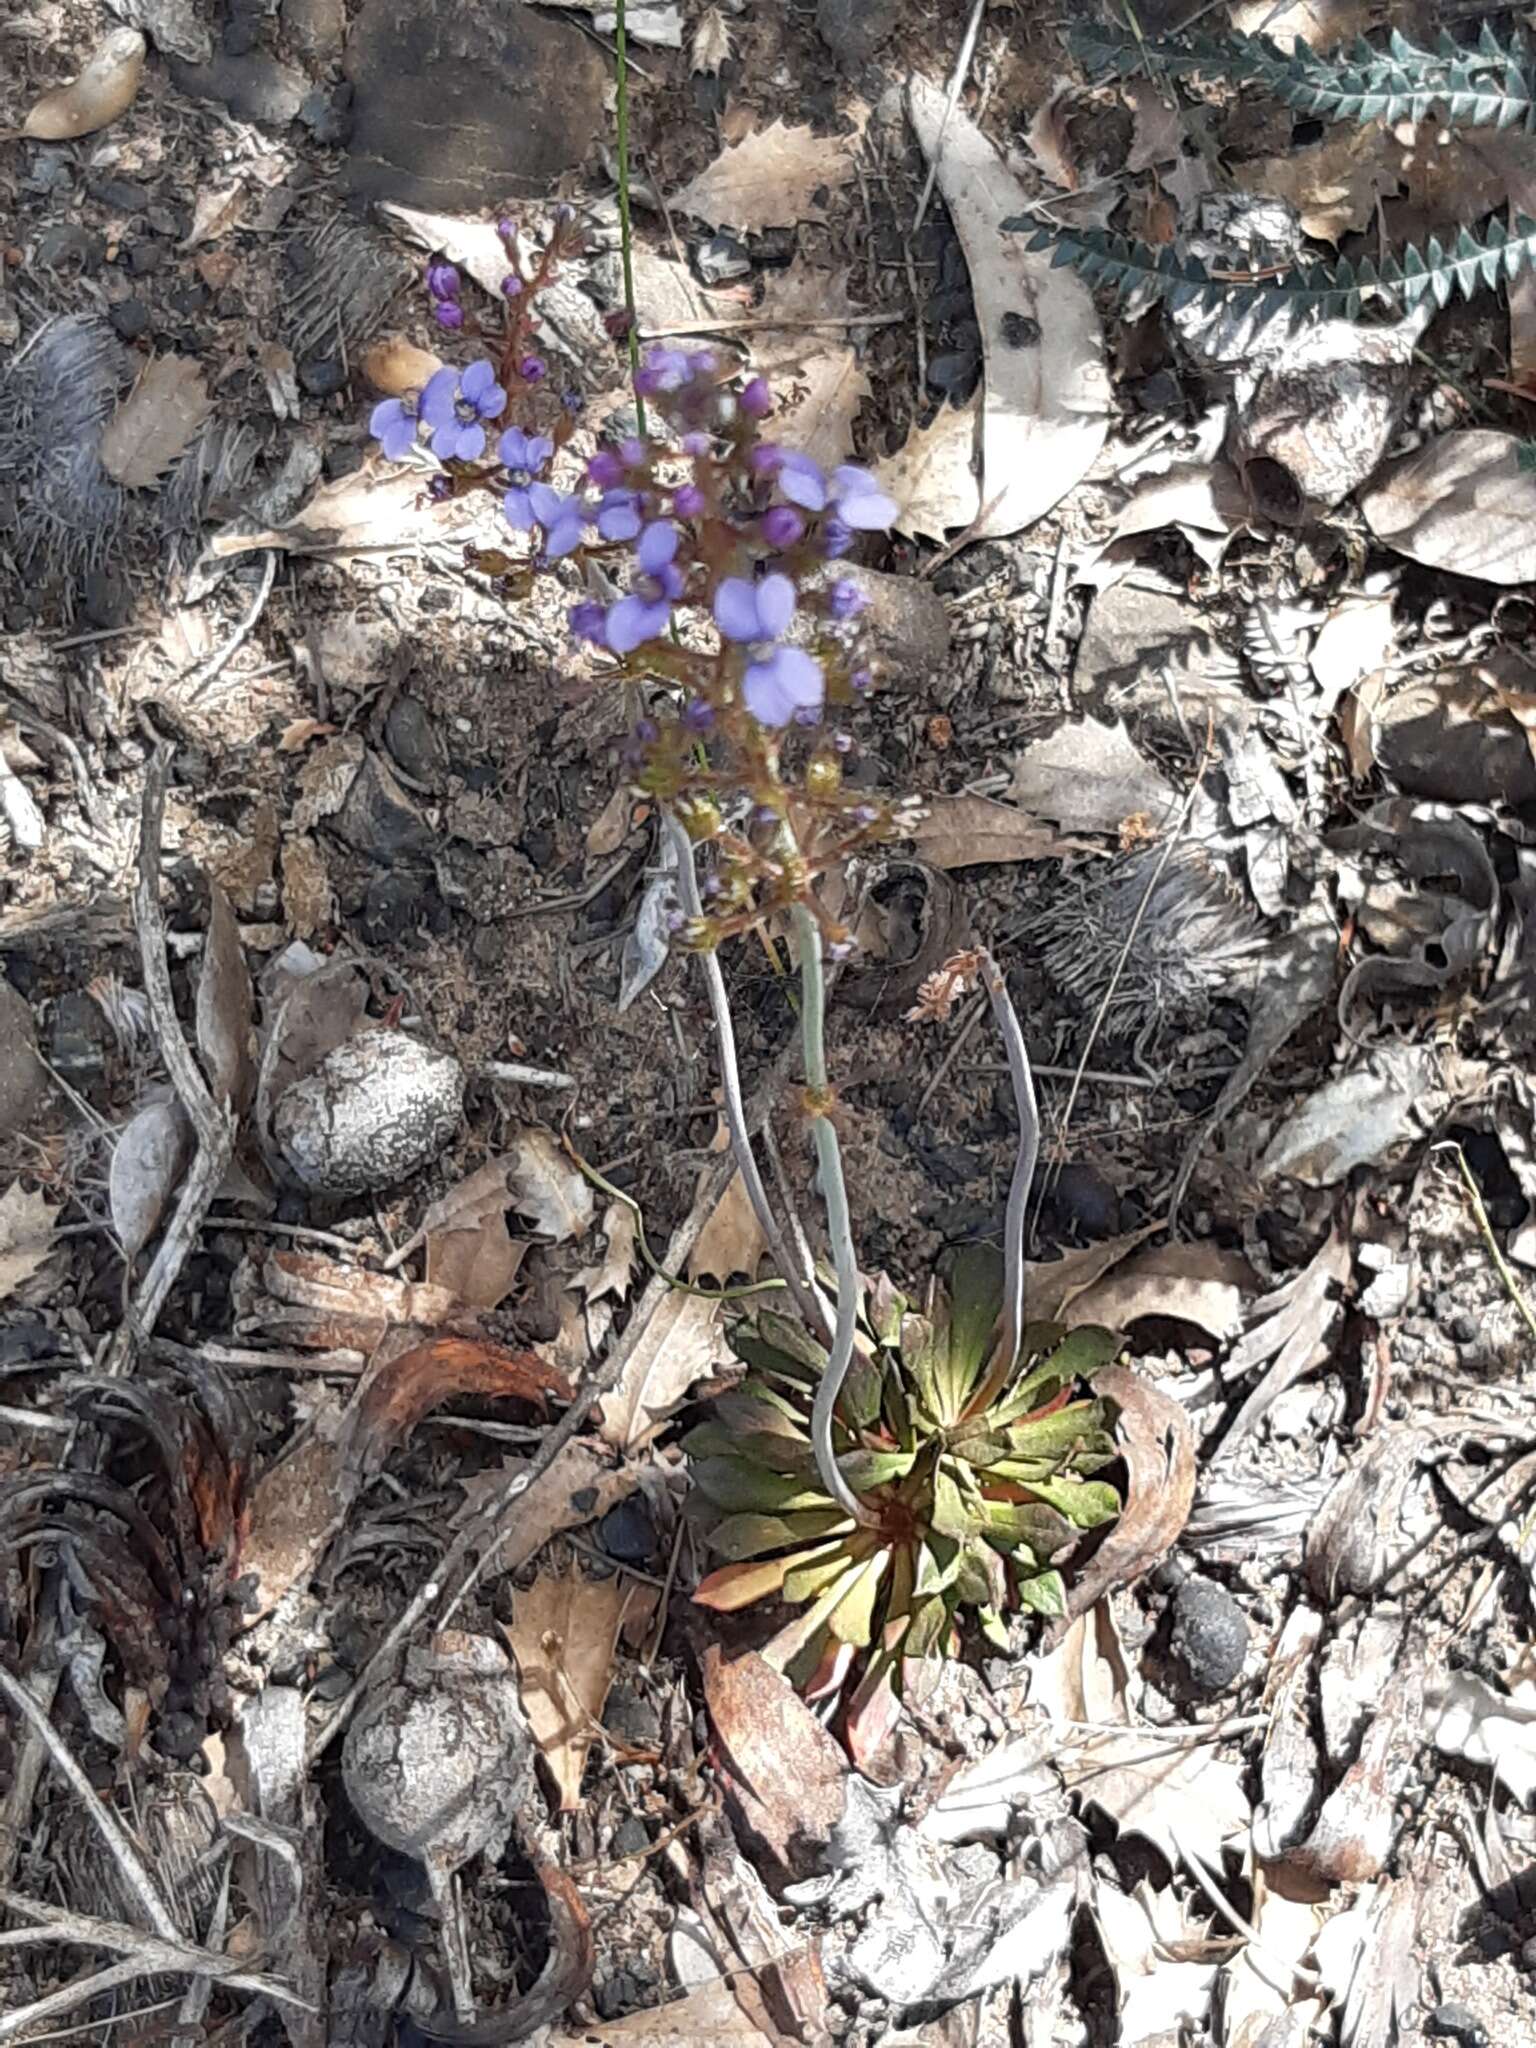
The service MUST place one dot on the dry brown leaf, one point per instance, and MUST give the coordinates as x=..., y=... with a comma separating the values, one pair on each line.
x=1090, y=776
x=26, y=1236
x=767, y=181
x=965, y=831
x=215, y=212
x=152, y=1153
x=1157, y=125
x=226, y=1009
x=1333, y=184
x=579, y=1487
x=1084, y=1676
x=1353, y=642
x=563, y=1633
x=155, y=422
x=615, y=1272
x=932, y=475
x=555, y=1195
x=1192, y=1283
x=1157, y=1441
x=391, y=1398
x=395, y=364
x=293, y=1509
x=1054, y=1286
x=819, y=383
x=784, y=1776
x=103, y=90
x=731, y=1241
x=711, y=43
x=1464, y=502
x=609, y=829
x=1357, y=723
x=295, y=737
x=1176, y=1795
x=706, y=2018
x=684, y=1341
x=479, y=1265
x=1050, y=144
x=307, y=902
x=1046, y=406
x=326, y=1306
x=1291, y=1333
x=380, y=505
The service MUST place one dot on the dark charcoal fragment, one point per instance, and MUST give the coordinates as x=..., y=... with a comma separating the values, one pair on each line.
x=1210, y=1635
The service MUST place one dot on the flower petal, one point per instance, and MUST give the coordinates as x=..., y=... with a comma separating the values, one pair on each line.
x=471, y=442
x=775, y=605
x=518, y=510
x=538, y=450
x=491, y=404
x=801, y=481
x=736, y=609
x=438, y=395
x=618, y=515
x=658, y=544
x=790, y=680
x=633, y=621
x=475, y=381
x=547, y=504
x=565, y=534
x=513, y=449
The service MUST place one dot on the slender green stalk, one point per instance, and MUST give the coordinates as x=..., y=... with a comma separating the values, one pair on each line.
x=834, y=1192
x=1016, y=1217
x=621, y=89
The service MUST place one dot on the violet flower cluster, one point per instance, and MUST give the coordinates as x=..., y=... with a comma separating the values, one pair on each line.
x=708, y=554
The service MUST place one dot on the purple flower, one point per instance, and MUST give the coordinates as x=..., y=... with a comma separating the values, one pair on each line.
x=561, y=517
x=699, y=715
x=780, y=681
x=782, y=526
x=836, y=538
x=448, y=313
x=645, y=613
x=632, y=452
x=845, y=600
x=605, y=469
x=392, y=424
x=455, y=405
x=695, y=444
x=852, y=492
x=688, y=501
x=618, y=515
x=664, y=369
x=442, y=280
x=511, y=286
x=533, y=369
x=757, y=399
x=589, y=622
x=524, y=456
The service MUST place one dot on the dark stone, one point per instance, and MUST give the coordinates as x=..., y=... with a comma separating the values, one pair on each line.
x=71, y=247
x=145, y=258
x=463, y=101
x=954, y=373
x=23, y=1084
x=51, y=172
x=120, y=193
x=316, y=29
x=1209, y=1636
x=720, y=259
x=631, y=1717
x=129, y=319
x=628, y=1533
x=170, y=221
x=27, y=1340
x=854, y=29
x=1161, y=392
x=77, y=1037
x=540, y=846
x=322, y=376
x=1445, y=739
x=241, y=36
x=411, y=737
x=328, y=116
x=107, y=599
x=630, y=1838
x=379, y=819
x=1081, y=1203
x=1020, y=330
x=1457, y=2023
x=255, y=86
x=342, y=457
x=394, y=910
x=189, y=298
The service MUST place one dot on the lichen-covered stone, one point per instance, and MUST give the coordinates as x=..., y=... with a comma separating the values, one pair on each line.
x=378, y=1108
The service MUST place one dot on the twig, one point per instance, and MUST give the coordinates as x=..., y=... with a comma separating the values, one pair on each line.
x=834, y=1192
x=968, y=1024
x=102, y=1816
x=957, y=80
x=209, y=1120
x=148, y=1955
x=527, y=1077
x=1511, y=1285
x=1016, y=1222
x=760, y=323
x=209, y=671
x=813, y=1309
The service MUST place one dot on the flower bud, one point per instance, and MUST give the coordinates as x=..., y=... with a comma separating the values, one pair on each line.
x=511, y=286
x=605, y=469
x=448, y=313
x=532, y=369
x=782, y=526
x=687, y=502
x=442, y=280
x=757, y=399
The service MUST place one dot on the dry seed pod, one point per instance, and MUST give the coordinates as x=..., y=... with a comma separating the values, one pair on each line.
x=104, y=89
x=436, y=1763
x=374, y=1110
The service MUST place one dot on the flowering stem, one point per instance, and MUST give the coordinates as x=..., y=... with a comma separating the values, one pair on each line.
x=1017, y=1214
x=807, y=1298
x=621, y=95
x=834, y=1192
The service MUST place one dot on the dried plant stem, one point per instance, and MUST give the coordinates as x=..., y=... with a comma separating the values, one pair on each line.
x=102, y=1817
x=834, y=1192
x=797, y=1278
x=1016, y=1220
x=626, y=236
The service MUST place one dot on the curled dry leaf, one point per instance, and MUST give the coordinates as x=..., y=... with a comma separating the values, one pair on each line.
x=379, y=505
x=1050, y=143
x=732, y=1240
x=1465, y=502
x=148, y=1161
x=932, y=476
x=392, y=1398
x=767, y=181
x=1045, y=411
x=578, y=1488
x=469, y=1249
x=784, y=1776
x=323, y=1305
x=683, y=1342
x=1157, y=1441
x=1090, y=776
x=225, y=1009
x=104, y=89
x=966, y=831
x=1183, y=1797
x=563, y=1634
x=545, y=1187
x=615, y=1272
x=818, y=379
x=26, y=1236
x=155, y=422
x=1192, y=1283
x=395, y=365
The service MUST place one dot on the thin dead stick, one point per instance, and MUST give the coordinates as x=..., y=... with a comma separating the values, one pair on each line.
x=150, y=1955
x=474, y=1549
x=1016, y=1220
x=69, y=1996
x=209, y=671
x=102, y=1817
x=1296, y=1973
x=813, y=1309
x=760, y=324
x=968, y=1024
x=211, y=1123
x=957, y=80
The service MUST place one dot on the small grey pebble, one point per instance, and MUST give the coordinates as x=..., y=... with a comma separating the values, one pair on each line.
x=1528, y=1953
x=1464, y=1327
x=1210, y=1634
x=1457, y=2023
x=145, y=258
x=627, y=1533
x=411, y=737
x=322, y=376
x=129, y=319
x=70, y=246
x=121, y=193
x=630, y=1838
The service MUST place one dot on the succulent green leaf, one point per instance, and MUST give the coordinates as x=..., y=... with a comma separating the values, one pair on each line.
x=1054, y=1434
x=859, y=1402
x=957, y=1508
x=930, y=1624
x=776, y=1453
x=853, y=1618
x=1027, y=1525
x=741, y=1487
x=1086, y=1503
x=1044, y=1594
x=978, y=1576
x=864, y=1469
x=815, y=1570
x=740, y=1536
